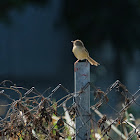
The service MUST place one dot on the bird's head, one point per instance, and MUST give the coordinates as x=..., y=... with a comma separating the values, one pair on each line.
x=77, y=42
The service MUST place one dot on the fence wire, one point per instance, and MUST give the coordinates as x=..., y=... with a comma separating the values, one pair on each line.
x=31, y=115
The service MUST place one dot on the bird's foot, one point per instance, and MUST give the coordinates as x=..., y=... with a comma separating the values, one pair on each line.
x=75, y=69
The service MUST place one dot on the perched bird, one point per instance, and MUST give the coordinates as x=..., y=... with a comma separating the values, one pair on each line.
x=81, y=52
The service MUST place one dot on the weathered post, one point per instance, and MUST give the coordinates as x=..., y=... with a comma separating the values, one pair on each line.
x=82, y=100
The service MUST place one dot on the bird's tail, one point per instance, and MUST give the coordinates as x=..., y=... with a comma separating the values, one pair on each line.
x=92, y=62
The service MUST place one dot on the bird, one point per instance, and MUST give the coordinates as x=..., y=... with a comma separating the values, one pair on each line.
x=81, y=52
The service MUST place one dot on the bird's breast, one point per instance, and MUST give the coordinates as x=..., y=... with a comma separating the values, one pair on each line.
x=79, y=52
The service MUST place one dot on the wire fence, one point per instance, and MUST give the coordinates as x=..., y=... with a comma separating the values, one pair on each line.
x=31, y=115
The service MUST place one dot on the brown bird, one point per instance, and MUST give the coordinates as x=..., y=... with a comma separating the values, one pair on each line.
x=81, y=52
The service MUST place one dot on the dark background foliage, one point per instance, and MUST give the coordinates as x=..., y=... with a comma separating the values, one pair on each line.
x=35, y=47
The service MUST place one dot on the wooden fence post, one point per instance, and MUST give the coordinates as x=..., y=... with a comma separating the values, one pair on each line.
x=81, y=78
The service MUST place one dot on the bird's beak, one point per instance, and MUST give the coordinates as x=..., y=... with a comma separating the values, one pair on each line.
x=72, y=41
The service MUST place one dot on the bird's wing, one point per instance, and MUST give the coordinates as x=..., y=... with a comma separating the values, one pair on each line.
x=86, y=50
